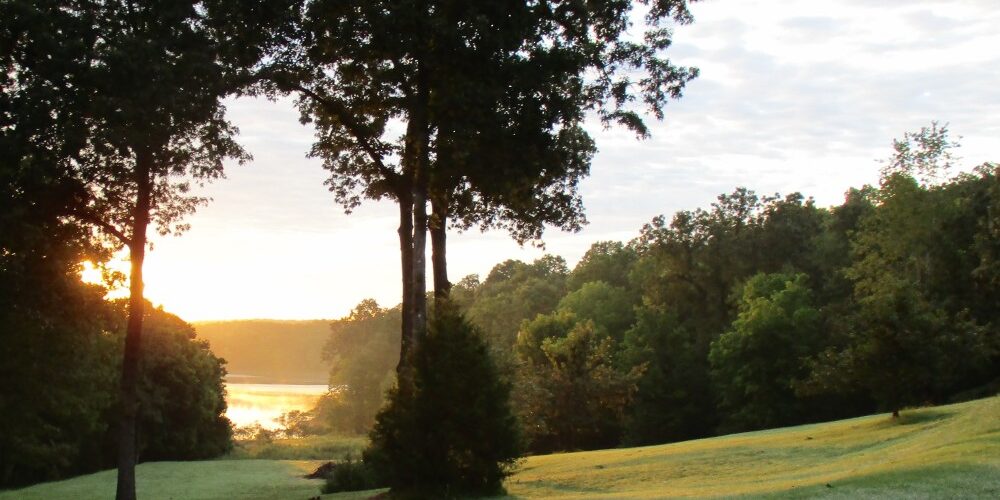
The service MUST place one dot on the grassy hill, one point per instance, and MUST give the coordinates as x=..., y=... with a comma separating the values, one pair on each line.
x=946, y=451
x=942, y=452
x=270, y=351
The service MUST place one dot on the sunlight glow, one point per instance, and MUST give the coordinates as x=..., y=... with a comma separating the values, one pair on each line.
x=90, y=273
x=264, y=403
x=98, y=274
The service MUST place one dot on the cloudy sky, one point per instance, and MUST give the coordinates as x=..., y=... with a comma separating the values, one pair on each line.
x=793, y=96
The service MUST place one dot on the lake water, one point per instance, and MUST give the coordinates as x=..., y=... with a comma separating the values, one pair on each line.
x=264, y=403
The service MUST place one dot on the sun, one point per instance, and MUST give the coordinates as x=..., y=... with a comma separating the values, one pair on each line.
x=90, y=273
x=97, y=273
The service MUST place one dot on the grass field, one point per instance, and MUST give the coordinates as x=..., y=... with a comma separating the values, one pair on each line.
x=943, y=452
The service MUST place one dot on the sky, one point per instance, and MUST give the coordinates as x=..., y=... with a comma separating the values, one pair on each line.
x=794, y=95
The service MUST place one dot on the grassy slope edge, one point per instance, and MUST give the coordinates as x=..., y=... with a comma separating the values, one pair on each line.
x=941, y=452
x=945, y=451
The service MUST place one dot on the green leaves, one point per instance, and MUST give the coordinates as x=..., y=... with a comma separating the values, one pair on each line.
x=755, y=363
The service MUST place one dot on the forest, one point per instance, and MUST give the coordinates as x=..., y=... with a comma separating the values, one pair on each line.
x=756, y=312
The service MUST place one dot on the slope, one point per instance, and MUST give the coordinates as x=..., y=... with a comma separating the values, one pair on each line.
x=940, y=452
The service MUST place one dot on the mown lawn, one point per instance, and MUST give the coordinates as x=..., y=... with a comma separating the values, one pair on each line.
x=943, y=452
x=213, y=479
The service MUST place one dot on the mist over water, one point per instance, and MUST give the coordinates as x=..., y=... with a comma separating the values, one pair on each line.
x=264, y=403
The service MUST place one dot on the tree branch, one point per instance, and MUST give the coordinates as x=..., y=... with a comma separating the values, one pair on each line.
x=354, y=128
x=89, y=217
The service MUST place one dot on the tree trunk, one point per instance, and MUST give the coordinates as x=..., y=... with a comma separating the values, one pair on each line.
x=421, y=155
x=439, y=257
x=127, y=454
x=419, y=265
x=406, y=260
x=412, y=194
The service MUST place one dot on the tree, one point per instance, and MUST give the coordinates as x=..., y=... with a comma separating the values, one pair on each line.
x=55, y=378
x=455, y=434
x=607, y=261
x=53, y=387
x=674, y=398
x=539, y=119
x=491, y=97
x=609, y=307
x=363, y=351
x=181, y=391
x=514, y=292
x=127, y=161
x=788, y=236
x=912, y=335
x=571, y=395
x=924, y=156
x=755, y=364
x=694, y=262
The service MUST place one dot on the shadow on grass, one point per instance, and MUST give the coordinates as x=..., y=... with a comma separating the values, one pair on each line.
x=924, y=416
x=559, y=489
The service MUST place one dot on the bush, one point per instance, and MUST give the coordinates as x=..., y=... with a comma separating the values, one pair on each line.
x=351, y=475
x=455, y=433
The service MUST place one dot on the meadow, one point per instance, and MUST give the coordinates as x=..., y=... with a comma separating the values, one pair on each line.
x=945, y=451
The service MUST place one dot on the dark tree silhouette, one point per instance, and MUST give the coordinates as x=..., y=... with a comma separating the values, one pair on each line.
x=143, y=83
x=488, y=98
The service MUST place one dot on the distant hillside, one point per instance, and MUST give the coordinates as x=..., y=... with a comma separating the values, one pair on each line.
x=270, y=351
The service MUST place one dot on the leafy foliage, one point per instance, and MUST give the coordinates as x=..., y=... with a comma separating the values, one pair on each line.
x=571, y=395
x=182, y=401
x=363, y=349
x=609, y=307
x=674, y=396
x=455, y=435
x=351, y=475
x=513, y=292
x=755, y=363
x=918, y=333
x=607, y=261
x=760, y=311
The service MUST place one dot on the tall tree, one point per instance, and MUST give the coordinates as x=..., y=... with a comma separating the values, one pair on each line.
x=513, y=292
x=518, y=153
x=488, y=99
x=914, y=335
x=144, y=82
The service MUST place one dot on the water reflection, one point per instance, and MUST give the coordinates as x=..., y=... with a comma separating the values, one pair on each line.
x=264, y=403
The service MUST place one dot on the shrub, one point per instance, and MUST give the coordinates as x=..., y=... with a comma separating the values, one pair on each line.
x=455, y=433
x=351, y=475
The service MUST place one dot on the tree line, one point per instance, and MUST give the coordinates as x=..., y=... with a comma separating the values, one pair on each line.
x=757, y=312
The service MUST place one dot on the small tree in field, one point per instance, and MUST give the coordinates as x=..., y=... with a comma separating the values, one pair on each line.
x=455, y=434
x=906, y=344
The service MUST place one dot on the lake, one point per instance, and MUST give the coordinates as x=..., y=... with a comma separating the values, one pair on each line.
x=264, y=403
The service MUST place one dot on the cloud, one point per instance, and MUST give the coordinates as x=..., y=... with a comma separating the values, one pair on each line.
x=794, y=95
x=799, y=95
